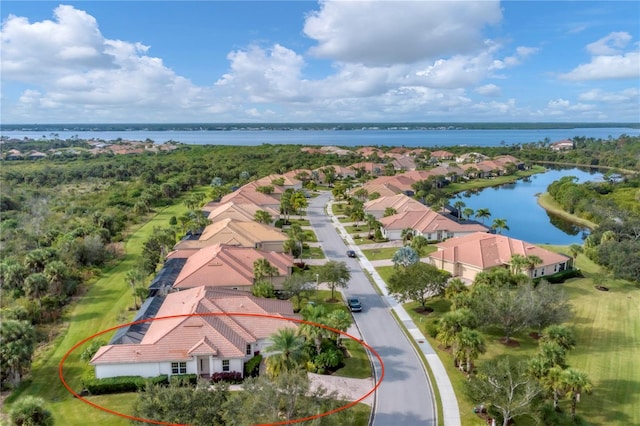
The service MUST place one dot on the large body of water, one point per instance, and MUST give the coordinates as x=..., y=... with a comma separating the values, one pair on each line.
x=351, y=138
x=517, y=203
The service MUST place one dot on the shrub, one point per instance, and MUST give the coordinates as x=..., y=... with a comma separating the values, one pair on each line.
x=29, y=411
x=91, y=350
x=122, y=384
x=227, y=376
x=252, y=367
x=191, y=379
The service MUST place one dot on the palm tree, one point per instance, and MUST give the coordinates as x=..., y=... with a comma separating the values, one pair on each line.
x=452, y=323
x=467, y=213
x=517, y=263
x=458, y=205
x=468, y=344
x=357, y=214
x=560, y=334
x=499, y=225
x=297, y=234
x=406, y=235
x=372, y=223
x=262, y=216
x=389, y=211
x=574, y=383
x=483, y=214
x=262, y=268
x=316, y=315
x=286, y=352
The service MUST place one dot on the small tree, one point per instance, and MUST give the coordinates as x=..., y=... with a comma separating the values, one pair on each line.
x=504, y=385
x=30, y=411
x=417, y=282
x=404, y=257
x=335, y=274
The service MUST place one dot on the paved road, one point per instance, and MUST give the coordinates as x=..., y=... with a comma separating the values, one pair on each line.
x=404, y=396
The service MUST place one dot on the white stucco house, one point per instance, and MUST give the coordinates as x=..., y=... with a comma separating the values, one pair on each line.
x=199, y=335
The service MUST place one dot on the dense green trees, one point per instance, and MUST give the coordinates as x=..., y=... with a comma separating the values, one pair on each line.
x=417, y=282
x=335, y=274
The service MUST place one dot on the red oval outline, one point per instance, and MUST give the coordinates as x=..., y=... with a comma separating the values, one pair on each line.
x=130, y=417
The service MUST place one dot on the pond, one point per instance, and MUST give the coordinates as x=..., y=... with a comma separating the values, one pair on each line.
x=517, y=203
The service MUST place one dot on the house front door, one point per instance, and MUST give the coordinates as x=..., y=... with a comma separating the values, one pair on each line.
x=203, y=366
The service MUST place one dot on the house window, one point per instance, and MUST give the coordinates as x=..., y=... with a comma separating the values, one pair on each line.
x=248, y=351
x=225, y=365
x=178, y=368
x=555, y=268
x=535, y=272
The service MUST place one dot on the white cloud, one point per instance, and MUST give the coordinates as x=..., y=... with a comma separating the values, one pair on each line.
x=631, y=95
x=388, y=32
x=609, y=45
x=488, y=90
x=610, y=61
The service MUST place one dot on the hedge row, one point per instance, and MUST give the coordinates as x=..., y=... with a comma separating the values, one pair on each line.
x=122, y=384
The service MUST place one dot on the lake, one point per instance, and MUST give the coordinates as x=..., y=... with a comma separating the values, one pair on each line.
x=527, y=221
x=349, y=138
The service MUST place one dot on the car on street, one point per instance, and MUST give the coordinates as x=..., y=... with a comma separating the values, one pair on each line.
x=354, y=304
x=351, y=253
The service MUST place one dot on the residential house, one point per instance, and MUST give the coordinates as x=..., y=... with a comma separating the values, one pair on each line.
x=249, y=195
x=195, y=331
x=245, y=212
x=440, y=155
x=398, y=202
x=288, y=182
x=238, y=233
x=222, y=265
x=404, y=163
x=562, y=145
x=431, y=225
x=13, y=154
x=469, y=255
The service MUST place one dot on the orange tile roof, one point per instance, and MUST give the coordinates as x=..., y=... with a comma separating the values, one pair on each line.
x=244, y=212
x=181, y=337
x=485, y=251
x=427, y=221
x=245, y=234
x=227, y=266
x=399, y=202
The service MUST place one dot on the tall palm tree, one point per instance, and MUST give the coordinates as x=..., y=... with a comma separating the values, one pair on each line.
x=406, y=235
x=467, y=213
x=317, y=315
x=560, y=334
x=262, y=216
x=297, y=234
x=468, y=344
x=483, y=214
x=372, y=224
x=574, y=383
x=458, y=205
x=452, y=323
x=286, y=352
x=499, y=225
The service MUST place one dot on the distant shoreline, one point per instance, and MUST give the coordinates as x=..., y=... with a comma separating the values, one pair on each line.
x=372, y=126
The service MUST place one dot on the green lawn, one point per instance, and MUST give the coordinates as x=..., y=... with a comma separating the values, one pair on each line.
x=313, y=253
x=607, y=328
x=358, y=365
x=104, y=305
x=380, y=253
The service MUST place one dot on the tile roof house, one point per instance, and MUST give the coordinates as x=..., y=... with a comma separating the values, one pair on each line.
x=562, y=145
x=399, y=202
x=243, y=212
x=442, y=155
x=287, y=181
x=466, y=256
x=431, y=225
x=404, y=162
x=222, y=265
x=249, y=195
x=198, y=335
x=238, y=233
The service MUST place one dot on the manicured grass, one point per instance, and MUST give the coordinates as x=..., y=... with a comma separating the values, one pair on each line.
x=380, y=253
x=301, y=222
x=385, y=272
x=310, y=236
x=104, y=305
x=549, y=204
x=607, y=329
x=313, y=253
x=358, y=365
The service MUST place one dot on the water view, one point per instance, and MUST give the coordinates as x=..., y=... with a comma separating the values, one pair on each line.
x=517, y=203
x=351, y=138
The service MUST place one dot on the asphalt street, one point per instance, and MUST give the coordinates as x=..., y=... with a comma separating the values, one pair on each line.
x=405, y=396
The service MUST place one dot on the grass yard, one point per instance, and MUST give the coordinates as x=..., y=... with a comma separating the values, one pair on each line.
x=380, y=253
x=358, y=365
x=104, y=305
x=607, y=328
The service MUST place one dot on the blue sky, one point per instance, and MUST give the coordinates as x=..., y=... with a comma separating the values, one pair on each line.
x=327, y=61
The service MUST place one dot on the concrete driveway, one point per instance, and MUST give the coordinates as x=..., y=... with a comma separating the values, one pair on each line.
x=405, y=396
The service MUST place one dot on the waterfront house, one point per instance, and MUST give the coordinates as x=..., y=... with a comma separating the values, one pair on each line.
x=469, y=255
x=431, y=225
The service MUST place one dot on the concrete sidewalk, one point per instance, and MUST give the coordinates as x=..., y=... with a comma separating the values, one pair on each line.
x=451, y=412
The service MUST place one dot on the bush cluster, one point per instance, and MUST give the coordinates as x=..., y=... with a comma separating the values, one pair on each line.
x=233, y=377
x=122, y=384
